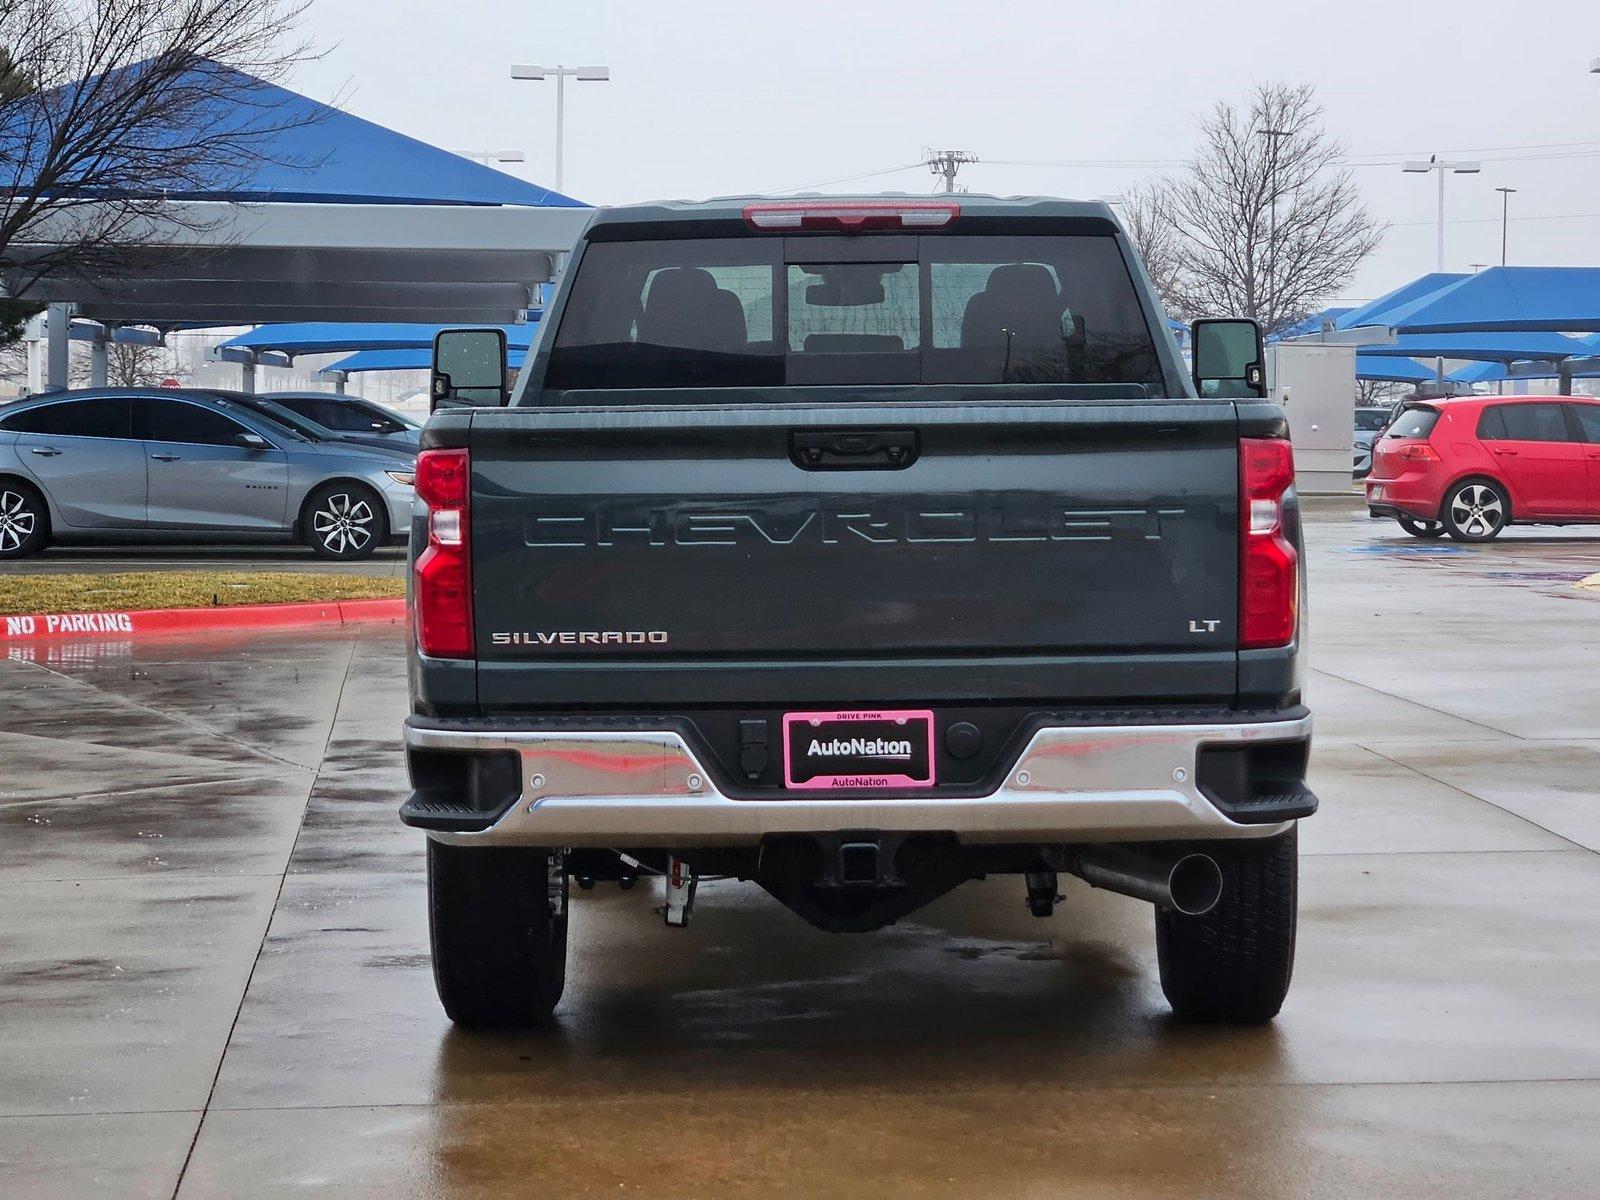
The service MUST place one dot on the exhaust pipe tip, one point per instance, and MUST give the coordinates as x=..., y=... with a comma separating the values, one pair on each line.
x=1195, y=884
x=1191, y=884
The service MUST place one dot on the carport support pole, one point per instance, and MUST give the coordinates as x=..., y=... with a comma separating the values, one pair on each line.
x=247, y=376
x=98, y=367
x=58, y=328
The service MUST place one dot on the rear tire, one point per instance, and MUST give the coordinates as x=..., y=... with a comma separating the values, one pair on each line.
x=1421, y=529
x=1233, y=964
x=24, y=519
x=344, y=521
x=497, y=920
x=1476, y=510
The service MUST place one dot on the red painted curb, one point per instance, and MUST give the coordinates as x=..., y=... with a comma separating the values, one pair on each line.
x=157, y=622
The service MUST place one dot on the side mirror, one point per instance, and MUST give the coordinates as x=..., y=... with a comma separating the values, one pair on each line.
x=1228, y=358
x=252, y=441
x=469, y=369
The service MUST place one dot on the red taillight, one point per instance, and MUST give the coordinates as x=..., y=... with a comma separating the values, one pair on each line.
x=442, y=589
x=858, y=216
x=1419, y=452
x=1269, y=565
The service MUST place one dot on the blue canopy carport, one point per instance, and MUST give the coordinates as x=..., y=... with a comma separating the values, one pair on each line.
x=1487, y=347
x=1508, y=299
x=1498, y=372
x=1328, y=318
x=1494, y=372
x=275, y=344
x=1505, y=353
x=332, y=337
x=1374, y=311
x=1380, y=369
x=418, y=359
x=339, y=220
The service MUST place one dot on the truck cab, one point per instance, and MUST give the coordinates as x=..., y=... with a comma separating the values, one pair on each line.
x=859, y=548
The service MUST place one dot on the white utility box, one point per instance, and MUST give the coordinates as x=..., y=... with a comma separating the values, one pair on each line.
x=1317, y=387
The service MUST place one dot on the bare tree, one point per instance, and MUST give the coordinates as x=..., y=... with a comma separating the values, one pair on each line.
x=128, y=364
x=1265, y=222
x=1148, y=221
x=1371, y=393
x=109, y=109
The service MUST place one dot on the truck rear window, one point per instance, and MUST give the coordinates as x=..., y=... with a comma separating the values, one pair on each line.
x=738, y=312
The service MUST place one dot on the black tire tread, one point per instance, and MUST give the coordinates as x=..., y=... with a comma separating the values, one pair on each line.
x=1415, y=528
x=499, y=956
x=1234, y=963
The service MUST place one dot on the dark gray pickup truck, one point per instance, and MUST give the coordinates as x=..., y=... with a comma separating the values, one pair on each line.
x=858, y=548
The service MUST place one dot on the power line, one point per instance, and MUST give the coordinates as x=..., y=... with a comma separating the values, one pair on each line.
x=800, y=187
x=1084, y=162
x=1477, y=149
x=931, y=160
x=1494, y=158
x=1496, y=220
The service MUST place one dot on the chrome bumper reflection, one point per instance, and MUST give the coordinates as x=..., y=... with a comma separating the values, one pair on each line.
x=1097, y=783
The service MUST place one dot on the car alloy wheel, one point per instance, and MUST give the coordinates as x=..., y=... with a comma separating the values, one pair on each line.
x=1477, y=511
x=18, y=521
x=344, y=523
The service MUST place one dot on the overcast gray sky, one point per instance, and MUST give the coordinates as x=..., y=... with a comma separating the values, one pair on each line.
x=714, y=96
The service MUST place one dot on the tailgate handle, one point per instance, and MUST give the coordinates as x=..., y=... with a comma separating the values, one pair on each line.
x=853, y=449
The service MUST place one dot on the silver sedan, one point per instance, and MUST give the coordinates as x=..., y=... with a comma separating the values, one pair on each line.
x=118, y=464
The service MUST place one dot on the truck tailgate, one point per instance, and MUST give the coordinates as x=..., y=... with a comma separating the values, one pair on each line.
x=799, y=534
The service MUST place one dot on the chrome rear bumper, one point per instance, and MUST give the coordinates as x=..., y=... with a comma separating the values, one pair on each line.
x=1070, y=784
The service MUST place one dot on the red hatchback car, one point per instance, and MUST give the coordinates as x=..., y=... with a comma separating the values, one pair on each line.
x=1471, y=465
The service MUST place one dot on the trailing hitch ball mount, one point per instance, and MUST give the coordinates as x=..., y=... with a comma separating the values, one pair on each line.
x=1042, y=894
x=853, y=861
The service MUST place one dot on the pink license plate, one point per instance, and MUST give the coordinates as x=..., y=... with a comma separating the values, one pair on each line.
x=867, y=748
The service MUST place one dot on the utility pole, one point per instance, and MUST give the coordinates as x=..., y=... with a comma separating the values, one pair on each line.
x=1505, y=218
x=1273, y=136
x=945, y=163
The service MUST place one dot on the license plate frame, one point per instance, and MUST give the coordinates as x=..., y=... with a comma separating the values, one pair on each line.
x=859, y=749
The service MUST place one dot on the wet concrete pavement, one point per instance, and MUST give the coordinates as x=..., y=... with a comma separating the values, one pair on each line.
x=214, y=977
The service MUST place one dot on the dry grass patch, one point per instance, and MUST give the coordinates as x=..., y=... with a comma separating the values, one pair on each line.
x=135, y=590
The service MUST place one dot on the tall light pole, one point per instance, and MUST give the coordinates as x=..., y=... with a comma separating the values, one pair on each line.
x=582, y=74
x=494, y=156
x=1505, y=218
x=1273, y=136
x=1443, y=167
